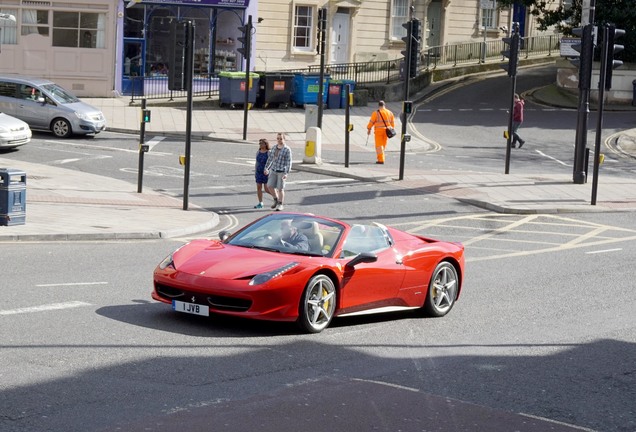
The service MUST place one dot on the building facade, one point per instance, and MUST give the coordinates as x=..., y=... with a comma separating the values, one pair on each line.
x=100, y=48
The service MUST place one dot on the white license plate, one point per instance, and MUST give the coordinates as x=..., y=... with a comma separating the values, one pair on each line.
x=190, y=308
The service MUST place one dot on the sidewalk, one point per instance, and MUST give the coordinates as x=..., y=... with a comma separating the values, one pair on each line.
x=70, y=205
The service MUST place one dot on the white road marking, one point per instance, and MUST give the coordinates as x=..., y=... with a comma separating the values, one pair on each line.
x=43, y=308
x=550, y=157
x=604, y=251
x=237, y=163
x=72, y=284
x=154, y=141
x=76, y=144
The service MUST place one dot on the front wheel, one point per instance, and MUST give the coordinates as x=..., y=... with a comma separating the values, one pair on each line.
x=61, y=128
x=442, y=290
x=317, y=304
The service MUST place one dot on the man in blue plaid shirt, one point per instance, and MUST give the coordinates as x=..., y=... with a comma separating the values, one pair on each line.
x=277, y=167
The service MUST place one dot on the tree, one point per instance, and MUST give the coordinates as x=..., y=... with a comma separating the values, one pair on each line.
x=550, y=13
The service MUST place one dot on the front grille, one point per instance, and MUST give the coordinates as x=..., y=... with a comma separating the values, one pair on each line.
x=229, y=303
x=169, y=292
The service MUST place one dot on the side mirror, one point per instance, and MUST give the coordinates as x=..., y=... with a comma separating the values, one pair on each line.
x=364, y=257
x=224, y=235
x=41, y=99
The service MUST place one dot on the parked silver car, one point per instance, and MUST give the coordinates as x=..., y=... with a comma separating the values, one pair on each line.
x=13, y=132
x=46, y=106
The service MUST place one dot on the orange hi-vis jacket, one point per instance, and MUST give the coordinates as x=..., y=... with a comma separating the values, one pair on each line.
x=378, y=124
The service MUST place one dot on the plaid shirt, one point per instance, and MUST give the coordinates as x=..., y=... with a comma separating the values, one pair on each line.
x=279, y=160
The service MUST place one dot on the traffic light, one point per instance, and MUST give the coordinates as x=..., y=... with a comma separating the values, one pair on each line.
x=586, y=50
x=245, y=40
x=407, y=107
x=177, y=55
x=416, y=35
x=512, y=52
x=407, y=48
x=145, y=115
x=612, y=48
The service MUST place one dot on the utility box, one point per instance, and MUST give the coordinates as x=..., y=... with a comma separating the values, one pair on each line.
x=12, y=197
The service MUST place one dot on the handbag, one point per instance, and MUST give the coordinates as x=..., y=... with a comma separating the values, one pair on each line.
x=390, y=132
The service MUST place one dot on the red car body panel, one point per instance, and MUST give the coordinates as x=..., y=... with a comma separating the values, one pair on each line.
x=219, y=274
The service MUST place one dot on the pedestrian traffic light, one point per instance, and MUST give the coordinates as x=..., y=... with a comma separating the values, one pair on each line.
x=145, y=115
x=512, y=52
x=245, y=40
x=612, y=34
x=407, y=107
x=586, y=53
x=177, y=55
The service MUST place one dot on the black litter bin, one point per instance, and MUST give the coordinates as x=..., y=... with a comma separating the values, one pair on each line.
x=274, y=88
x=12, y=197
x=333, y=97
x=232, y=88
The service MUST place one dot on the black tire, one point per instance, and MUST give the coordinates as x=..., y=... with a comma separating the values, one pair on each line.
x=61, y=128
x=317, y=305
x=442, y=290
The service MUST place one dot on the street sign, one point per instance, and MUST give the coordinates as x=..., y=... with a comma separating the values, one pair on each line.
x=566, y=47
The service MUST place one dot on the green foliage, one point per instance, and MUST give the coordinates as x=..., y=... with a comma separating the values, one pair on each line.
x=550, y=13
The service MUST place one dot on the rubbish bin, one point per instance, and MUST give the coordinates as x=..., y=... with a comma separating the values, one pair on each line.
x=12, y=197
x=274, y=88
x=334, y=95
x=305, y=89
x=343, y=95
x=232, y=88
x=634, y=93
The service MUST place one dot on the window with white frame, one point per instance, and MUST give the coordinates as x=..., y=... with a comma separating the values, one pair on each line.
x=488, y=14
x=8, y=27
x=304, y=28
x=35, y=22
x=399, y=15
x=79, y=29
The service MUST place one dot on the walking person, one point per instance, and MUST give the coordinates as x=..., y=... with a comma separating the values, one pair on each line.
x=277, y=167
x=517, y=120
x=380, y=121
x=259, y=170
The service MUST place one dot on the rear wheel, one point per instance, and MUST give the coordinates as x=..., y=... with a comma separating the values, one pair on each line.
x=61, y=128
x=442, y=290
x=317, y=304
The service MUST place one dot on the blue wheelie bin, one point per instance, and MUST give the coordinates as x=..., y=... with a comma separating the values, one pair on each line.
x=12, y=197
x=343, y=95
x=305, y=89
x=334, y=95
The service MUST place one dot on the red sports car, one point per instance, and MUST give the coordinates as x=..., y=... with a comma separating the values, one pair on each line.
x=309, y=269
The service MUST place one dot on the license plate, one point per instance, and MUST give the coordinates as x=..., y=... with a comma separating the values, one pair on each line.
x=190, y=308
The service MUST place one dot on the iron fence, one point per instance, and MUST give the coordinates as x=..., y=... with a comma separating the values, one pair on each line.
x=386, y=72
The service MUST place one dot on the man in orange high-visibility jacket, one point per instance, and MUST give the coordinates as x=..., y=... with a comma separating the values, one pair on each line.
x=380, y=120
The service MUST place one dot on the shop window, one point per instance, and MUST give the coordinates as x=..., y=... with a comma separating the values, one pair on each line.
x=8, y=28
x=35, y=22
x=303, y=31
x=78, y=29
x=134, y=22
x=399, y=15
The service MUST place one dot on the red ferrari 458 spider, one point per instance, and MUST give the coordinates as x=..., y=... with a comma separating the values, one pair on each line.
x=309, y=269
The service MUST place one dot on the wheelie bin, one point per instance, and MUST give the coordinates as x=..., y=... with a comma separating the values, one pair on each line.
x=274, y=88
x=305, y=89
x=232, y=88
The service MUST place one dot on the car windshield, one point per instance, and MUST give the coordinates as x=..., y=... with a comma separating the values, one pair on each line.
x=59, y=95
x=291, y=233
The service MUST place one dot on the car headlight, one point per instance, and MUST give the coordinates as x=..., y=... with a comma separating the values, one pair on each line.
x=261, y=278
x=81, y=116
x=167, y=262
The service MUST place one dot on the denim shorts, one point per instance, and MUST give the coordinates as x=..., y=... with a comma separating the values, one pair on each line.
x=275, y=180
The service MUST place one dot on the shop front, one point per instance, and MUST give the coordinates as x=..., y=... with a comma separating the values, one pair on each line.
x=146, y=41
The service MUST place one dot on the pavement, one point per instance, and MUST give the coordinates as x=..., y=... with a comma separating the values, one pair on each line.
x=63, y=204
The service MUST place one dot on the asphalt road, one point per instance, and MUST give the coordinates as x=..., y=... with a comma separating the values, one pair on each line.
x=543, y=337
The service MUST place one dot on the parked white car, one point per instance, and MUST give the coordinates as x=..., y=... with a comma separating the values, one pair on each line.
x=13, y=132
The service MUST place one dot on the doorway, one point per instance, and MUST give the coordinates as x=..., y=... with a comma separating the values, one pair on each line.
x=340, y=36
x=134, y=66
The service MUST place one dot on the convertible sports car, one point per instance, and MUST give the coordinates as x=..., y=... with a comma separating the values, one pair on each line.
x=337, y=269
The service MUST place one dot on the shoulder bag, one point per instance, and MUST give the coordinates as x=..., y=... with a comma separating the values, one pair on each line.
x=390, y=132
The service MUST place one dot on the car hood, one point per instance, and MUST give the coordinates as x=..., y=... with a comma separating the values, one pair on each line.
x=218, y=260
x=84, y=108
x=11, y=122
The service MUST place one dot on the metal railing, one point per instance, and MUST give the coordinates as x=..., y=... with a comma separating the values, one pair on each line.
x=386, y=72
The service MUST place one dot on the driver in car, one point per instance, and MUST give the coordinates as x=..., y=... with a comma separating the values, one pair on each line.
x=291, y=238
